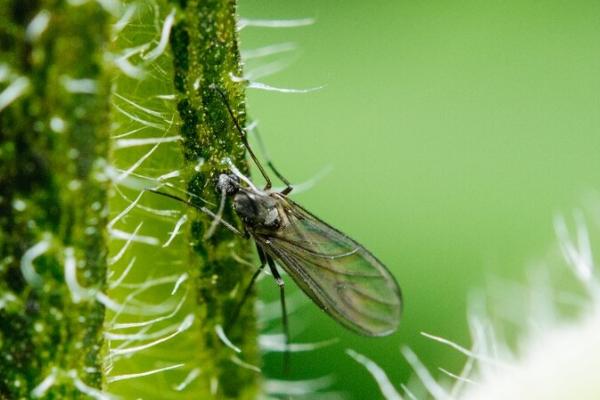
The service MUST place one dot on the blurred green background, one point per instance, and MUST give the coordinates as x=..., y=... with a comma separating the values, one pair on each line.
x=456, y=130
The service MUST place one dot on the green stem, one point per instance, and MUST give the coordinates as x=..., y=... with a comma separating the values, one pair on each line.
x=205, y=53
x=53, y=147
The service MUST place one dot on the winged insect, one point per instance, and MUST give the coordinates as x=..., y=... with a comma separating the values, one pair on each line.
x=337, y=273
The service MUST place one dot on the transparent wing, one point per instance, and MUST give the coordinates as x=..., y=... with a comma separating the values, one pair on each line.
x=338, y=274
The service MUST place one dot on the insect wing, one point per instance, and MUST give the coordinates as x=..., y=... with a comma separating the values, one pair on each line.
x=337, y=273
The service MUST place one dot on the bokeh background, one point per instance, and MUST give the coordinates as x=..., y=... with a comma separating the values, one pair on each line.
x=455, y=132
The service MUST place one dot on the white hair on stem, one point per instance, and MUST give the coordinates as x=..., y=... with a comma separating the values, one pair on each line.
x=130, y=304
x=170, y=315
x=557, y=357
x=27, y=268
x=78, y=292
x=299, y=387
x=267, y=51
x=114, y=259
x=267, y=69
x=84, y=85
x=119, y=280
x=467, y=352
x=152, y=113
x=37, y=26
x=309, y=183
x=407, y=392
x=126, y=143
x=164, y=39
x=140, y=308
x=274, y=23
x=142, y=334
x=182, y=278
x=578, y=255
x=123, y=377
x=141, y=121
x=149, y=283
x=263, y=86
x=88, y=390
x=129, y=132
x=433, y=387
x=127, y=67
x=238, y=361
x=269, y=88
x=277, y=343
x=223, y=337
x=122, y=235
x=214, y=385
x=136, y=164
x=123, y=20
x=385, y=386
x=165, y=213
x=124, y=212
x=191, y=376
x=185, y=325
x=169, y=175
x=456, y=377
x=19, y=87
x=43, y=387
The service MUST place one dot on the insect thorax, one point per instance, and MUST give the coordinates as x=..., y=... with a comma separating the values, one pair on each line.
x=257, y=209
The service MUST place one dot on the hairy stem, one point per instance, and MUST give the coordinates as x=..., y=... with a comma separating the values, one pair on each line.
x=53, y=147
x=205, y=53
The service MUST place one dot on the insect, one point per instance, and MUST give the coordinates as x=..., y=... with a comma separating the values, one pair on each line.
x=338, y=274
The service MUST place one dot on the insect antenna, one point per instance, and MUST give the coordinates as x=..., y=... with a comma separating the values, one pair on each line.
x=202, y=209
x=263, y=150
x=171, y=186
x=243, y=135
x=160, y=183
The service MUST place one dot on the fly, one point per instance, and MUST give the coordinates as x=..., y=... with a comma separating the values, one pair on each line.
x=337, y=273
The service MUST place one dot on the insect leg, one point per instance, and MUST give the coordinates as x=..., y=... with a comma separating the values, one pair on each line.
x=202, y=209
x=238, y=308
x=284, y=317
x=243, y=136
x=217, y=220
x=270, y=164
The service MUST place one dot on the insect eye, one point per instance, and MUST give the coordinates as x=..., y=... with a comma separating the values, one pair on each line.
x=227, y=184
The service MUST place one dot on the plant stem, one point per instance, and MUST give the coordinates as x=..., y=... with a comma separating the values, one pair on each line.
x=53, y=147
x=205, y=53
